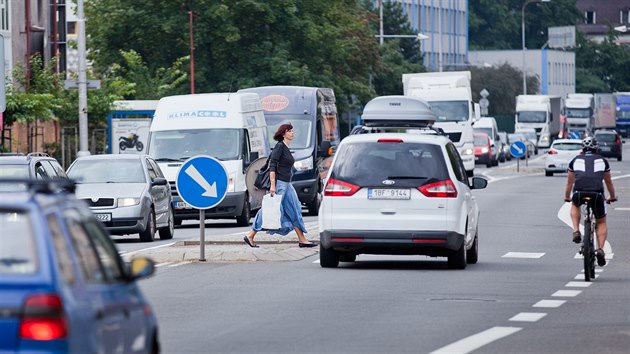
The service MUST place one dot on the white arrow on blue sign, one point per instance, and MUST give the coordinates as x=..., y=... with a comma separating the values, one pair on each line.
x=518, y=149
x=202, y=182
x=575, y=134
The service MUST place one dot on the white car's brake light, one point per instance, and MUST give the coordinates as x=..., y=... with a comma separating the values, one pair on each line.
x=552, y=152
x=442, y=189
x=337, y=188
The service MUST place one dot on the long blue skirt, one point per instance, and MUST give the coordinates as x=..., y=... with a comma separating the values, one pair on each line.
x=291, y=210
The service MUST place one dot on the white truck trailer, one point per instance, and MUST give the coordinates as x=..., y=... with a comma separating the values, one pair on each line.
x=450, y=97
x=541, y=112
x=579, y=112
x=604, y=111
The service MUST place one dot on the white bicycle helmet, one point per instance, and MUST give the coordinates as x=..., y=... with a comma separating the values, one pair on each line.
x=589, y=143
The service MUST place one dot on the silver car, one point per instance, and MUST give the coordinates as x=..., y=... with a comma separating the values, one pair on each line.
x=127, y=193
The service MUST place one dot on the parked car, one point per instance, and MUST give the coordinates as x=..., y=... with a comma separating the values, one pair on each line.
x=530, y=135
x=610, y=143
x=483, y=149
x=519, y=137
x=561, y=152
x=37, y=165
x=128, y=193
x=63, y=286
x=398, y=193
x=505, y=141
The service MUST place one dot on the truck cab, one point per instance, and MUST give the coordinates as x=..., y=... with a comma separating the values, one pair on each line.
x=313, y=113
x=578, y=111
x=540, y=112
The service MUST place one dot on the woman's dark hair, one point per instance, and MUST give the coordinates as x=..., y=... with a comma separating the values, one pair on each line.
x=279, y=135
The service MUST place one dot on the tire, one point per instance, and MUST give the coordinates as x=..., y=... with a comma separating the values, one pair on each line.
x=347, y=257
x=246, y=215
x=619, y=157
x=489, y=164
x=457, y=260
x=166, y=233
x=148, y=235
x=588, y=253
x=178, y=222
x=313, y=206
x=548, y=173
x=139, y=146
x=472, y=255
x=328, y=258
x=122, y=146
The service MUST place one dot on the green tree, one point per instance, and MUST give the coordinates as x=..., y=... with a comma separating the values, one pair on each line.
x=243, y=43
x=503, y=83
x=602, y=67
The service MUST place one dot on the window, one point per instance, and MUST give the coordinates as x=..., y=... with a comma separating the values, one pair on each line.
x=71, y=27
x=456, y=163
x=152, y=174
x=590, y=17
x=107, y=254
x=62, y=253
x=624, y=16
x=86, y=256
x=40, y=171
x=17, y=243
x=4, y=16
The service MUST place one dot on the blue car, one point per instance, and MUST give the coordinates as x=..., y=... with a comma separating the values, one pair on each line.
x=63, y=286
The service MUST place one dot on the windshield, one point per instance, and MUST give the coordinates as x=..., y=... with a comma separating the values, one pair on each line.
x=107, y=171
x=450, y=111
x=17, y=245
x=302, y=129
x=567, y=146
x=484, y=130
x=623, y=114
x=609, y=138
x=531, y=117
x=180, y=145
x=14, y=171
x=480, y=140
x=578, y=112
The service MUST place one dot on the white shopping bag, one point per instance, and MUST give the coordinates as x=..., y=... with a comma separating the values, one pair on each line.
x=271, y=211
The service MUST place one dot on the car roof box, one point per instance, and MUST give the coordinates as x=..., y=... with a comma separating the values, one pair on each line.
x=398, y=111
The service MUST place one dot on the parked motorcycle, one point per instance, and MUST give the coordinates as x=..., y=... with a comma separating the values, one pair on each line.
x=130, y=142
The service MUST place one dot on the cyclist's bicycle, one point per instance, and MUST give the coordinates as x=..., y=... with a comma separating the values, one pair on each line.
x=589, y=240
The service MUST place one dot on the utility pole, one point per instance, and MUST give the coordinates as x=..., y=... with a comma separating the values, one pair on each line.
x=192, y=51
x=83, y=106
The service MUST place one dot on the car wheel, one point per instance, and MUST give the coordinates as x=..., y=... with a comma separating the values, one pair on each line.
x=619, y=157
x=243, y=219
x=328, y=258
x=472, y=255
x=457, y=260
x=178, y=222
x=167, y=233
x=347, y=257
x=313, y=206
x=489, y=164
x=148, y=235
x=548, y=173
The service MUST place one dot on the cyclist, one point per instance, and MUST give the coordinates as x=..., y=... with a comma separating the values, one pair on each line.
x=585, y=174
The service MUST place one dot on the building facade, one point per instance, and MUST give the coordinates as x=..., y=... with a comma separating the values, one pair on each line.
x=602, y=15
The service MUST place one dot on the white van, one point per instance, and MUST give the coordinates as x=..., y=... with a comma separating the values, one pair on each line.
x=488, y=125
x=228, y=126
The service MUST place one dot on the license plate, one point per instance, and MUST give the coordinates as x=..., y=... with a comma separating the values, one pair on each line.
x=103, y=217
x=604, y=148
x=382, y=193
x=182, y=205
x=564, y=166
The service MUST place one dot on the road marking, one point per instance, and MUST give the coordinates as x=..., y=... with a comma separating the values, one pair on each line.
x=609, y=254
x=162, y=264
x=528, y=316
x=316, y=261
x=566, y=293
x=581, y=276
x=619, y=177
x=523, y=255
x=145, y=249
x=549, y=303
x=578, y=284
x=623, y=209
x=477, y=341
x=178, y=264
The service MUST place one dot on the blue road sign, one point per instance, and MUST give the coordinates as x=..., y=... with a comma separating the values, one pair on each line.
x=575, y=134
x=202, y=182
x=518, y=149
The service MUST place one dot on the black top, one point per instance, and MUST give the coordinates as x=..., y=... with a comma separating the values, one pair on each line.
x=589, y=172
x=281, y=161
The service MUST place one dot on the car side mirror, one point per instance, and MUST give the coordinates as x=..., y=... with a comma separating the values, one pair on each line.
x=325, y=149
x=160, y=182
x=479, y=183
x=253, y=156
x=140, y=267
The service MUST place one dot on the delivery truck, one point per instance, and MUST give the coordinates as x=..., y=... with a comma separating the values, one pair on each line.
x=540, y=112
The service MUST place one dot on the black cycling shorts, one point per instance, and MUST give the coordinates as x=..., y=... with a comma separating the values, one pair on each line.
x=598, y=200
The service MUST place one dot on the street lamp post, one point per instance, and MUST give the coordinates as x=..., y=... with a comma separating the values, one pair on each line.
x=527, y=2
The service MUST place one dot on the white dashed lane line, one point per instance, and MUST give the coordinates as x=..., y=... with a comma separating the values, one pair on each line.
x=533, y=255
x=549, y=303
x=528, y=316
x=578, y=284
x=566, y=293
x=477, y=341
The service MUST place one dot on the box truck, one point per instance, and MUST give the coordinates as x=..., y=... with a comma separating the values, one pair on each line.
x=450, y=97
x=622, y=120
x=540, y=112
x=313, y=113
x=228, y=126
x=579, y=112
x=604, y=111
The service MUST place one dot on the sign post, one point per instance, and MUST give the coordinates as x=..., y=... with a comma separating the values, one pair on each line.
x=518, y=149
x=202, y=183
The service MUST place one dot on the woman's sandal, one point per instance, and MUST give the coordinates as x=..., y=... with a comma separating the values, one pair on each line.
x=249, y=242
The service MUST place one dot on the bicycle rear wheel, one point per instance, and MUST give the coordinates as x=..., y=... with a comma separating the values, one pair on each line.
x=588, y=253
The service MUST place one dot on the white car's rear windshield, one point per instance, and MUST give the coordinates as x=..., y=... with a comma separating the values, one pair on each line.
x=567, y=146
x=408, y=164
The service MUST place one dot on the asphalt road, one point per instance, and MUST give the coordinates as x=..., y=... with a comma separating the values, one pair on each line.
x=526, y=294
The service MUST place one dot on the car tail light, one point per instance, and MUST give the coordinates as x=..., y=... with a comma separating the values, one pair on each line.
x=337, y=188
x=618, y=141
x=552, y=152
x=390, y=140
x=442, y=189
x=43, y=318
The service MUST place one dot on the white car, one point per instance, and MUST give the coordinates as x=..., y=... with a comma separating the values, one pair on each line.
x=399, y=193
x=561, y=152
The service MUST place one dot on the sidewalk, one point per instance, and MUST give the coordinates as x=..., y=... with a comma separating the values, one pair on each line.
x=231, y=248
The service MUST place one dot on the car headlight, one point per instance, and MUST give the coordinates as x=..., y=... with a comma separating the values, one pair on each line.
x=125, y=202
x=468, y=151
x=231, y=183
x=484, y=150
x=544, y=138
x=304, y=165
